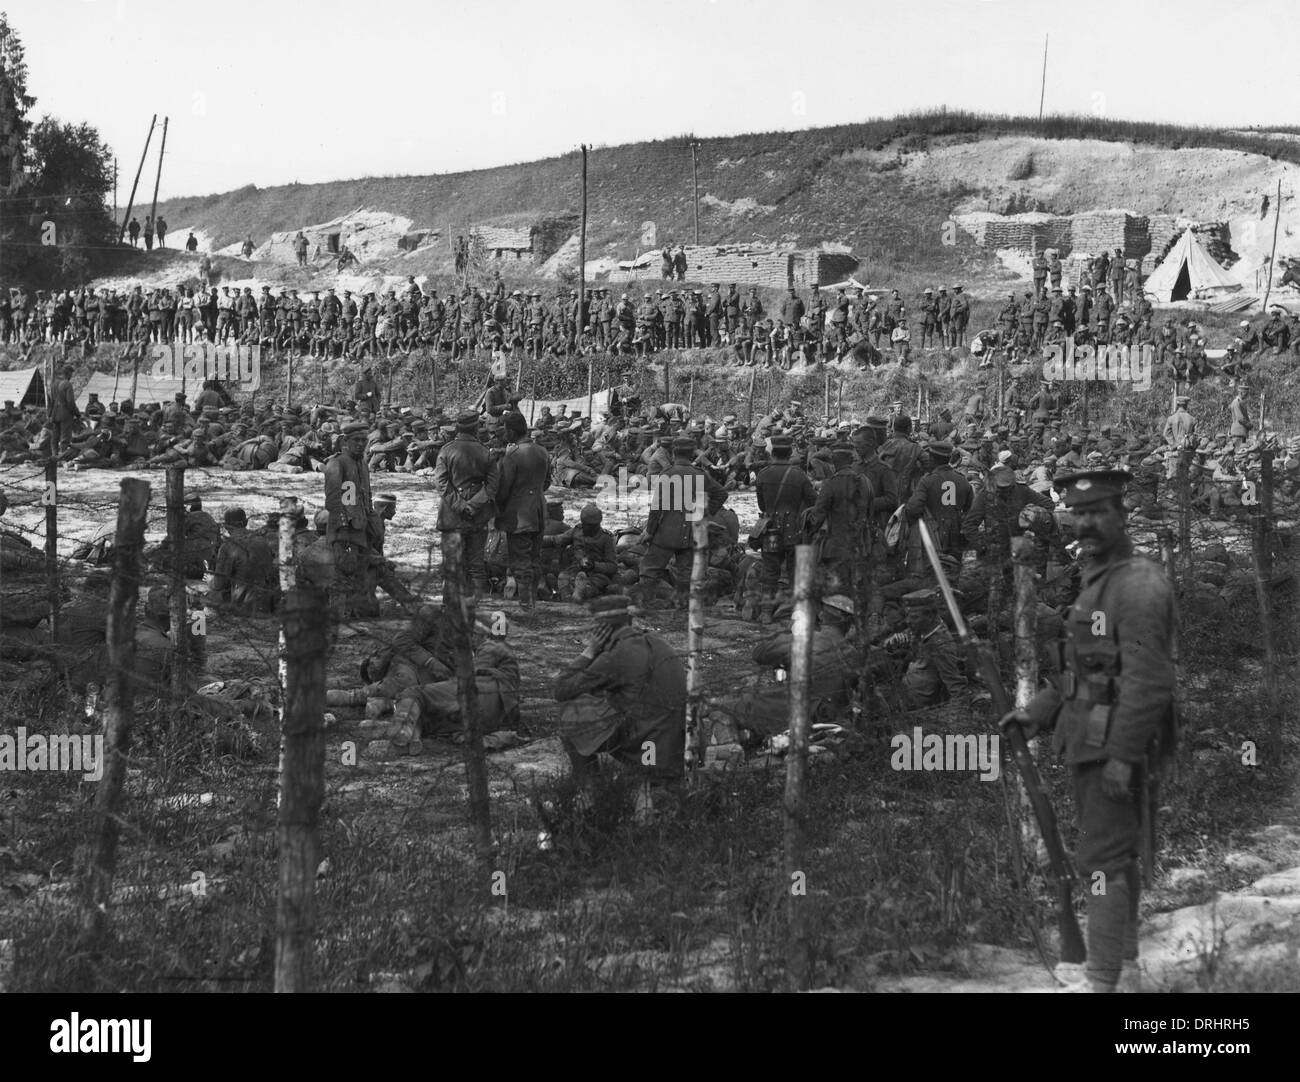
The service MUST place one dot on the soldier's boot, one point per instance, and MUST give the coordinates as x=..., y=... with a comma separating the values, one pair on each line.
x=528, y=595
x=767, y=610
x=511, y=589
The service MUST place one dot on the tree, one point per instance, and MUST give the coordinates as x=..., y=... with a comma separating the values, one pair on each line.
x=54, y=181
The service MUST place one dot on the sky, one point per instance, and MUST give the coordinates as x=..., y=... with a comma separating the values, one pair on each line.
x=273, y=92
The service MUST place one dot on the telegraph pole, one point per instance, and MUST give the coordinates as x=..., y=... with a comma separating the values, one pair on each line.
x=131, y=202
x=695, y=184
x=582, y=270
x=153, y=212
x=1042, y=94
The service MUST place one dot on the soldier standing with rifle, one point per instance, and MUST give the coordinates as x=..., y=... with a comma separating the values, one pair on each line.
x=1114, y=715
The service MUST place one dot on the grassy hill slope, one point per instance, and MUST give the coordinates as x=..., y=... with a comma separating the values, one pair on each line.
x=840, y=184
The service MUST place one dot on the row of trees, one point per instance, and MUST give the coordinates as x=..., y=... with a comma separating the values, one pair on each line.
x=55, y=180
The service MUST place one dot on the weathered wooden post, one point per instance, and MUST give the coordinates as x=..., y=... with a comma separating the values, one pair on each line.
x=305, y=643
x=695, y=743
x=51, y=501
x=176, y=603
x=1026, y=659
x=798, y=954
x=128, y=540
x=459, y=603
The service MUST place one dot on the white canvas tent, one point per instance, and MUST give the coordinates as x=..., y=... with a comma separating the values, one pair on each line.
x=1186, y=272
x=148, y=390
x=23, y=387
x=599, y=404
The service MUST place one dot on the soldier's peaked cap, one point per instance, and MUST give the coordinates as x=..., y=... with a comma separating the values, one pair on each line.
x=782, y=441
x=941, y=449
x=611, y=608
x=838, y=602
x=467, y=421
x=684, y=445
x=1091, y=486
x=355, y=427
x=926, y=598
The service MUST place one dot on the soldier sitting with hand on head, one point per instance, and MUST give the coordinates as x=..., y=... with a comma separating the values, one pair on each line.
x=594, y=562
x=624, y=695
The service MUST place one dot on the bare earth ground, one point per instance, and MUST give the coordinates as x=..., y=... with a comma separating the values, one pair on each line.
x=908, y=872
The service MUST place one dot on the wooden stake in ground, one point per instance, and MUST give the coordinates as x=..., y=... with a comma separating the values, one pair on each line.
x=459, y=604
x=305, y=631
x=690, y=395
x=176, y=548
x=1272, y=258
x=128, y=540
x=839, y=401
x=1185, y=513
x=591, y=362
x=1026, y=658
x=826, y=398
x=695, y=642
x=798, y=960
x=51, y=501
x=1263, y=567
x=668, y=394
x=749, y=418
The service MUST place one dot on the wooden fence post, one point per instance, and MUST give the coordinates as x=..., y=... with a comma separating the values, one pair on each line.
x=305, y=638
x=128, y=540
x=1185, y=513
x=459, y=603
x=51, y=501
x=1026, y=659
x=177, y=601
x=798, y=954
x=695, y=743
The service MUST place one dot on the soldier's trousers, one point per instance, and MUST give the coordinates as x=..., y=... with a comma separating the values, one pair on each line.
x=1107, y=854
x=774, y=564
x=524, y=557
x=473, y=547
x=657, y=560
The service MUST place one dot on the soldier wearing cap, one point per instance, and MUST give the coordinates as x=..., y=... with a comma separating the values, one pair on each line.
x=594, y=560
x=994, y=516
x=525, y=468
x=467, y=476
x=624, y=695
x=352, y=520
x=944, y=496
x=843, y=510
x=784, y=493
x=932, y=674
x=1180, y=426
x=836, y=663
x=679, y=496
x=1113, y=710
x=245, y=577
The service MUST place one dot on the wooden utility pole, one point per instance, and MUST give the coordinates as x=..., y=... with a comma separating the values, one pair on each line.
x=579, y=321
x=128, y=540
x=458, y=602
x=695, y=186
x=798, y=959
x=1042, y=94
x=162, y=149
x=695, y=638
x=1273, y=255
x=126, y=218
x=305, y=633
x=51, y=500
x=177, y=606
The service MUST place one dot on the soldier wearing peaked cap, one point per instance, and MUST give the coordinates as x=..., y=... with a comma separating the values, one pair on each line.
x=784, y=493
x=353, y=524
x=467, y=477
x=624, y=695
x=1112, y=710
x=679, y=496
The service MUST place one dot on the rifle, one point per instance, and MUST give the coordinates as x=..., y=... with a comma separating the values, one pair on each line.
x=1072, y=945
